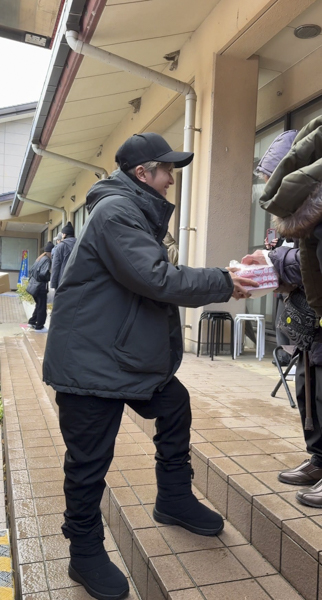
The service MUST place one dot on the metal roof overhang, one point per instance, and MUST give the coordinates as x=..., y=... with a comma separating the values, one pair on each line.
x=84, y=100
x=30, y=21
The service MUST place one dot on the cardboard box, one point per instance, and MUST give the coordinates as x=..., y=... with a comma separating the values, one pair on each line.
x=4, y=282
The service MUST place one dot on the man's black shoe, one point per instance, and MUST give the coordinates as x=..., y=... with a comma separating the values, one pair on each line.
x=101, y=578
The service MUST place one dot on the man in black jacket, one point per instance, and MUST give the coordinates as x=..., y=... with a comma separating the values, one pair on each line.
x=61, y=255
x=115, y=338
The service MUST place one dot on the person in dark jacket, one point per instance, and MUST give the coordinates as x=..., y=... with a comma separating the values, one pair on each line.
x=38, y=288
x=294, y=196
x=266, y=166
x=61, y=254
x=115, y=338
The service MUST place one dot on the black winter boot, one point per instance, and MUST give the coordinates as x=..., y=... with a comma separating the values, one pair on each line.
x=176, y=504
x=90, y=565
x=101, y=578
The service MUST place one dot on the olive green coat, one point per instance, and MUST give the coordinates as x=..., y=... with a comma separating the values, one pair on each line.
x=294, y=195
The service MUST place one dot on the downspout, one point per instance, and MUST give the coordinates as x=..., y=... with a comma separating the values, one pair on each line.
x=188, y=142
x=49, y=206
x=71, y=161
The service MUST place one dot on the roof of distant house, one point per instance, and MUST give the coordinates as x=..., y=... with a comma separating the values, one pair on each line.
x=18, y=109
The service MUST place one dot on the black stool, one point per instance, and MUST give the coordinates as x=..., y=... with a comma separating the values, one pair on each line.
x=205, y=315
x=215, y=332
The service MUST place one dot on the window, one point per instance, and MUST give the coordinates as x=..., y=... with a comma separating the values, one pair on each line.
x=302, y=116
x=80, y=217
x=12, y=249
x=43, y=240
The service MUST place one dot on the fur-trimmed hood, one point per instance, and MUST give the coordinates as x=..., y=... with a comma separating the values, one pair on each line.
x=293, y=194
x=303, y=221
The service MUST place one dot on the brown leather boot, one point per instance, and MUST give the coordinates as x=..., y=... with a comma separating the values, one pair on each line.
x=312, y=496
x=305, y=474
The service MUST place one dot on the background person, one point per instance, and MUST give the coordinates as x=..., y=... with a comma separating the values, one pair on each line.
x=115, y=338
x=172, y=248
x=58, y=238
x=266, y=166
x=62, y=254
x=294, y=196
x=38, y=288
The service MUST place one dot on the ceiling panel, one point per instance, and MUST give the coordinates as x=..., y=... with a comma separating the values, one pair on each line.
x=93, y=133
x=104, y=85
x=73, y=149
x=145, y=52
x=27, y=227
x=285, y=50
x=313, y=14
x=155, y=18
x=265, y=76
x=92, y=106
x=100, y=119
x=111, y=2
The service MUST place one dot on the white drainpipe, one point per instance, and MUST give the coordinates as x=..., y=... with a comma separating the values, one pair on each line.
x=188, y=143
x=71, y=161
x=49, y=206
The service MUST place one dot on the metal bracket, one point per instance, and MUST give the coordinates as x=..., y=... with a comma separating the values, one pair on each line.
x=136, y=103
x=188, y=228
x=199, y=129
x=173, y=57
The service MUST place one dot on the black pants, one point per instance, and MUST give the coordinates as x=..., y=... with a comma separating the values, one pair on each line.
x=313, y=439
x=40, y=313
x=89, y=426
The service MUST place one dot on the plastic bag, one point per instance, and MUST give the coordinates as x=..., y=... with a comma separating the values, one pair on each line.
x=265, y=275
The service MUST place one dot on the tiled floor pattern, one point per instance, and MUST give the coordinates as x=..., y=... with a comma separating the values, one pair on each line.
x=11, y=309
x=34, y=453
x=165, y=562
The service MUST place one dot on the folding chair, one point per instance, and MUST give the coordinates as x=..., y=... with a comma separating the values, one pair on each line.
x=283, y=374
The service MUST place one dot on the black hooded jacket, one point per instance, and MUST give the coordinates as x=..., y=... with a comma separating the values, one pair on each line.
x=115, y=329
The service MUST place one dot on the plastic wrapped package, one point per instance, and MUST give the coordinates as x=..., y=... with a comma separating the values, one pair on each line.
x=265, y=275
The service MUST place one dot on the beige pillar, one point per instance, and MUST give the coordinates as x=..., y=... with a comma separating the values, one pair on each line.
x=231, y=162
x=234, y=98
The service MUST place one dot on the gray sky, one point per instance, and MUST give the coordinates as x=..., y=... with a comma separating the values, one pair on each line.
x=23, y=69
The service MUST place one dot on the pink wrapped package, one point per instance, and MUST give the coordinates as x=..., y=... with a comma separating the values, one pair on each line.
x=265, y=275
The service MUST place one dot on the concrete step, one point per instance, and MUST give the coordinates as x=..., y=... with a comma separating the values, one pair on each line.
x=237, y=450
x=162, y=562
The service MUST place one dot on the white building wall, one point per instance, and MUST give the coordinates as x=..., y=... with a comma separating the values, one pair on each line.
x=14, y=136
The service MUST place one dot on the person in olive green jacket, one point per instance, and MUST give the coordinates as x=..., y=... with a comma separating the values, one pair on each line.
x=294, y=195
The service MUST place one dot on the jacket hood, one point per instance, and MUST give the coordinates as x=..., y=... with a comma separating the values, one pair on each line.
x=69, y=241
x=277, y=150
x=294, y=192
x=155, y=208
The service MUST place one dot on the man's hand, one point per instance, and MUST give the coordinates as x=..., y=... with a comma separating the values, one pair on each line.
x=257, y=258
x=239, y=283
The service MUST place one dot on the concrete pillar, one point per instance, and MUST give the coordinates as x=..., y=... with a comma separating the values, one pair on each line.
x=231, y=162
x=231, y=153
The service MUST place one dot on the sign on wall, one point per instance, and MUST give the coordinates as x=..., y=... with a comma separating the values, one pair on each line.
x=24, y=269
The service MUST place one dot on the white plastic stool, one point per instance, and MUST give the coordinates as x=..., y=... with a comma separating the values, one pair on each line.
x=238, y=334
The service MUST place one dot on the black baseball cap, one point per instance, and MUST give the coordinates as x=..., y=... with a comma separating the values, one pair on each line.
x=143, y=147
